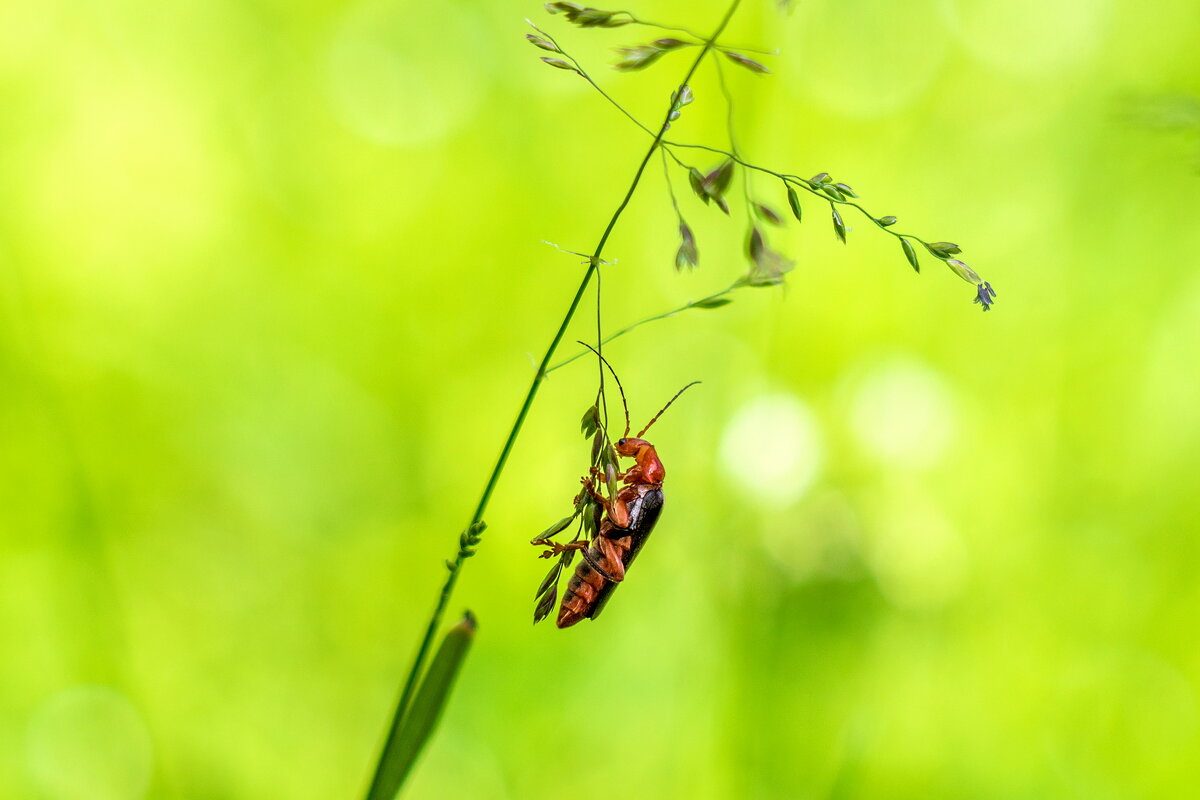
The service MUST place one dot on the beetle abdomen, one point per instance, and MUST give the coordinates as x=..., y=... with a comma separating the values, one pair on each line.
x=588, y=591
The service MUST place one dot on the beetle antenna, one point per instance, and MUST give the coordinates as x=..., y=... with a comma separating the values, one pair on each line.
x=620, y=388
x=664, y=408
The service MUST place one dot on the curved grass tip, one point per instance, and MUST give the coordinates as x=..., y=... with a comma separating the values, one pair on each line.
x=422, y=715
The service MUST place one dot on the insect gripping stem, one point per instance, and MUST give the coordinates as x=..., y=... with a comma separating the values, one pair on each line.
x=378, y=784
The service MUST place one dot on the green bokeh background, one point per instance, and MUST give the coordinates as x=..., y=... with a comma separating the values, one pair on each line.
x=271, y=285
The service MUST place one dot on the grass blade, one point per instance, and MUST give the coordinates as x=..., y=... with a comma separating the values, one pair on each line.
x=402, y=750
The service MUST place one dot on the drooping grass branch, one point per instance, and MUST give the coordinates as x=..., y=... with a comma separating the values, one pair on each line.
x=384, y=784
x=767, y=266
x=714, y=300
x=710, y=187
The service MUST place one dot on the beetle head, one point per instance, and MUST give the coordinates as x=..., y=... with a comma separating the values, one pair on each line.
x=629, y=446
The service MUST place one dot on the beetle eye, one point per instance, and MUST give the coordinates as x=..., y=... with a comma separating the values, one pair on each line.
x=620, y=443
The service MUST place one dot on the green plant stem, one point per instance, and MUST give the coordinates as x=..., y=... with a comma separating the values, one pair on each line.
x=734, y=150
x=583, y=73
x=374, y=793
x=801, y=183
x=668, y=146
x=738, y=284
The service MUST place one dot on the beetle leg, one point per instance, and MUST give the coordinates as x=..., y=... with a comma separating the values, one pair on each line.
x=618, y=512
x=615, y=508
x=620, y=476
x=612, y=556
x=631, y=475
x=609, y=554
x=589, y=486
x=556, y=548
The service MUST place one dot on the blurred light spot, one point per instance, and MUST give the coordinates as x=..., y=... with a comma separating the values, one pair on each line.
x=819, y=540
x=885, y=54
x=393, y=83
x=1030, y=37
x=27, y=32
x=1124, y=700
x=902, y=413
x=771, y=448
x=135, y=180
x=90, y=743
x=1170, y=407
x=918, y=558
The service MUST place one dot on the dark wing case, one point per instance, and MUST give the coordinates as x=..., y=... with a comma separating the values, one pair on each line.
x=643, y=514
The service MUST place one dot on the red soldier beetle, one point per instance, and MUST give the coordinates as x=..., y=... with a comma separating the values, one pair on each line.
x=620, y=523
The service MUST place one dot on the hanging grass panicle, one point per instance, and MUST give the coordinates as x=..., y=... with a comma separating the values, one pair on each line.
x=767, y=266
x=426, y=690
x=712, y=186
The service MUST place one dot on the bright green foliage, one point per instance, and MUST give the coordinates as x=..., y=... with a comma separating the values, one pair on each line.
x=268, y=277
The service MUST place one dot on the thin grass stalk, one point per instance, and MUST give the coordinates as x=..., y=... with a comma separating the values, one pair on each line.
x=378, y=790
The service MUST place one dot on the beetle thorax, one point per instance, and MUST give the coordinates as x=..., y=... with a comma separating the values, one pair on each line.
x=652, y=467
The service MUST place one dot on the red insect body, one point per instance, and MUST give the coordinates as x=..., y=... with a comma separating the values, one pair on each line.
x=624, y=522
x=628, y=520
